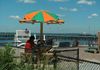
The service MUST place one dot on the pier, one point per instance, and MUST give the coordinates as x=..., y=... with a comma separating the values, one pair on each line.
x=56, y=36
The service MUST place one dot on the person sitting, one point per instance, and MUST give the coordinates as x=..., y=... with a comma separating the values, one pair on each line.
x=89, y=43
x=75, y=43
x=49, y=42
x=26, y=30
x=29, y=45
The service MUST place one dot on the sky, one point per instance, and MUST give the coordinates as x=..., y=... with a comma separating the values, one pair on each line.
x=80, y=16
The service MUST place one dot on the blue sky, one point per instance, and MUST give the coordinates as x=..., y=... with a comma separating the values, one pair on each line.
x=80, y=16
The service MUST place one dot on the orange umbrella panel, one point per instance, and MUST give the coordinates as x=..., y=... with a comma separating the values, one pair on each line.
x=42, y=16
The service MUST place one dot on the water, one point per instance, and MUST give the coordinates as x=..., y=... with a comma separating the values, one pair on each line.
x=81, y=42
x=4, y=42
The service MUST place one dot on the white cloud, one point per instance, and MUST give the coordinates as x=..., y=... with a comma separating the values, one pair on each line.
x=87, y=2
x=74, y=9
x=60, y=15
x=63, y=8
x=15, y=17
x=27, y=1
x=70, y=9
x=58, y=0
x=93, y=15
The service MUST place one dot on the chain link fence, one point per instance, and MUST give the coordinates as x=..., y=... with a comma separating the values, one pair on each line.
x=69, y=60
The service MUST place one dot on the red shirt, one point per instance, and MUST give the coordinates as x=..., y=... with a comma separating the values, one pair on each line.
x=28, y=47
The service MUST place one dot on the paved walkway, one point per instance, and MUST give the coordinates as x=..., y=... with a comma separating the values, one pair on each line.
x=88, y=55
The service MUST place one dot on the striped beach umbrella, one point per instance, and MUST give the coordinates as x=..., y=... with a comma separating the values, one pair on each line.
x=41, y=17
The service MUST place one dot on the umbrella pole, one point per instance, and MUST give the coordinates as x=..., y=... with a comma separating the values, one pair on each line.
x=41, y=32
x=41, y=39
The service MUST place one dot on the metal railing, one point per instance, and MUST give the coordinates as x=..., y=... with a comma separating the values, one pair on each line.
x=69, y=60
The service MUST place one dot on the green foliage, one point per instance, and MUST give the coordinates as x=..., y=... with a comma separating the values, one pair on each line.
x=8, y=62
x=6, y=58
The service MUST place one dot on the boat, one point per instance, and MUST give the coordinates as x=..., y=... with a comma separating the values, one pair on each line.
x=21, y=36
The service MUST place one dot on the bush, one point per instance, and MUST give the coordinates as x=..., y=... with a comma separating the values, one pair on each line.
x=8, y=62
x=6, y=58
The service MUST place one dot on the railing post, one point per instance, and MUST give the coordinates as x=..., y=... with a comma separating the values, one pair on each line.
x=78, y=59
x=55, y=60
